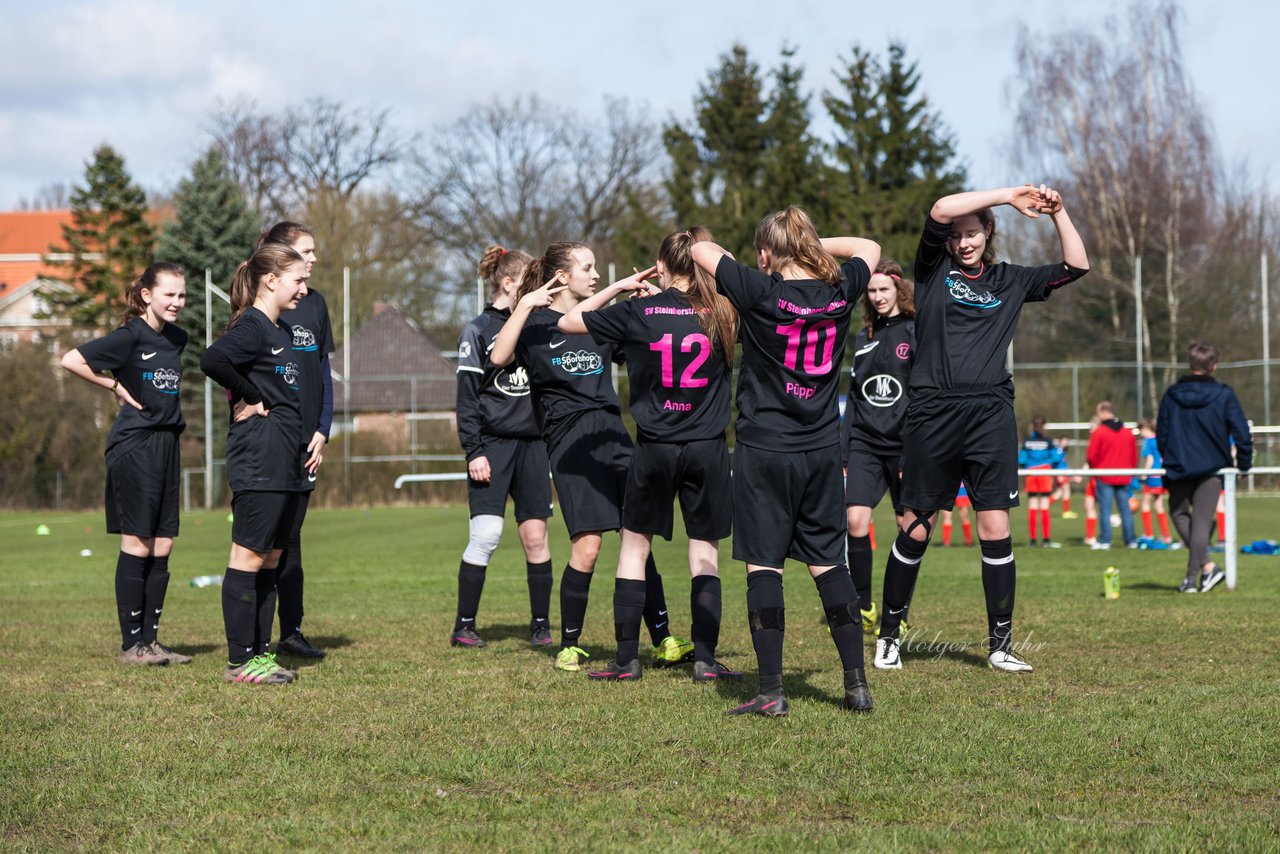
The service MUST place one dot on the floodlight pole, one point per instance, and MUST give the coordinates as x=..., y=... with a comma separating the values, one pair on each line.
x=346, y=382
x=1137, y=319
x=208, y=392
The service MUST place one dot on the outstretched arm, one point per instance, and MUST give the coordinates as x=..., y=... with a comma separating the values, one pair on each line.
x=573, y=324
x=854, y=247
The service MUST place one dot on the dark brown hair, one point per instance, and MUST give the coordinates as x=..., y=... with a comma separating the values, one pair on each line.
x=286, y=233
x=906, y=296
x=715, y=313
x=1147, y=424
x=557, y=256
x=1037, y=423
x=135, y=307
x=1204, y=357
x=790, y=238
x=267, y=259
x=499, y=263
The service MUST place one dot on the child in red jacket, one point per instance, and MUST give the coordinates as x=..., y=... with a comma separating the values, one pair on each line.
x=1112, y=446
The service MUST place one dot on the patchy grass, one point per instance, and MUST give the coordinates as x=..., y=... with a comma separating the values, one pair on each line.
x=1151, y=722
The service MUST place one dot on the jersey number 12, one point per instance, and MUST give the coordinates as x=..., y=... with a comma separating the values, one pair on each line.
x=663, y=346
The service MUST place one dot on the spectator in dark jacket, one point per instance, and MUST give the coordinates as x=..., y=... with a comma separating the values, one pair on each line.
x=1112, y=446
x=1199, y=419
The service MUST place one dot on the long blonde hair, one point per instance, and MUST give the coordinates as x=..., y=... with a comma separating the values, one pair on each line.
x=715, y=313
x=789, y=237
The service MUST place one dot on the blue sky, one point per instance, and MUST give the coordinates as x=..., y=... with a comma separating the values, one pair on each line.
x=143, y=74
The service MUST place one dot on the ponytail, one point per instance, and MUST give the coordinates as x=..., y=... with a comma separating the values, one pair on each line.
x=715, y=313
x=286, y=232
x=267, y=259
x=790, y=238
x=135, y=306
x=499, y=263
x=556, y=257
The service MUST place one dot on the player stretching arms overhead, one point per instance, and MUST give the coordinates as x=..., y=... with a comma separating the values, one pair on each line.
x=145, y=355
x=873, y=416
x=678, y=347
x=581, y=422
x=794, y=317
x=505, y=455
x=960, y=422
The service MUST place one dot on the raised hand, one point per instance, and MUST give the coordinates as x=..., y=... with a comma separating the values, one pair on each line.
x=1027, y=200
x=543, y=296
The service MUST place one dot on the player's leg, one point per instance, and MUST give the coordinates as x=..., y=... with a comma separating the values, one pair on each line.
x=628, y=607
x=531, y=494
x=704, y=487
x=259, y=531
x=485, y=534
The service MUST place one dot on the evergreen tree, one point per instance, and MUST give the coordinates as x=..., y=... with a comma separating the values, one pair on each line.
x=892, y=155
x=212, y=228
x=792, y=173
x=109, y=242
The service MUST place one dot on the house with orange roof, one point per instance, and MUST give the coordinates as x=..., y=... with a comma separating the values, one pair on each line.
x=26, y=278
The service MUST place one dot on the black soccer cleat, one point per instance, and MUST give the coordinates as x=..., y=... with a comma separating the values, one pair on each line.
x=713, y=672
x=298, y=646
x=616, y=672
x=466, y=638
x=857, y=697
x=765, y=705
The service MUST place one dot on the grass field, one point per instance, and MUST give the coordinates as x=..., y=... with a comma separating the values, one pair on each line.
x=1151, y=722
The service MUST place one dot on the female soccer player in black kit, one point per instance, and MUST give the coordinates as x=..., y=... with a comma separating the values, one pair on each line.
x=505, y=456
x=145, y=357
x=873, y=416
x=581, y=422
x=267, y=456
x=312, y=344
x=793, y=314
x=678, y=347
x=960, y=423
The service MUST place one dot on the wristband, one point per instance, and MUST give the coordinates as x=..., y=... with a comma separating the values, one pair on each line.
x=115, y=385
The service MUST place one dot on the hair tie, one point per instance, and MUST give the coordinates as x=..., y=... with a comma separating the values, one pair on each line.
x=504, y=252
x=895, y=277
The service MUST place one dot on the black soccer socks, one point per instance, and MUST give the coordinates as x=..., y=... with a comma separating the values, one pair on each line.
x=540, y=583
x=130, y=597
x=470, y=586
x=289, y=577
x=265, y=587
x=999, y=580
x=628, y=609
x=655, y=603
x=860, y=567
x=705, y=605
x=840, y=602
x=157, y=584
x=900, y=573
x=575, y=588
x=766, y=618
x=240, y=614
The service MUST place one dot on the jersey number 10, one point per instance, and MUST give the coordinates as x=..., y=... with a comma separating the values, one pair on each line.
x=824, y=329
x=664, y=347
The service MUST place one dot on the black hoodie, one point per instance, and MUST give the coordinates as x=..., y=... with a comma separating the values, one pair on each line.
x=1199, y=419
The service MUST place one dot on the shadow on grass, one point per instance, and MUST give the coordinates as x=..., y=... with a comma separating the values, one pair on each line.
x=1151, y=585
x=795, y=684
x=328, y=643
x=198, y=648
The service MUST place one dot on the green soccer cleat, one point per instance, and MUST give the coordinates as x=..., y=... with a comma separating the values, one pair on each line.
x=672, y=650
x=869, y=618
x=570, y=659
x=259, y=670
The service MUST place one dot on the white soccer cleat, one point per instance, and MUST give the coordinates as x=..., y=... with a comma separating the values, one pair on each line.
x=887, y=657
x=1008, y=662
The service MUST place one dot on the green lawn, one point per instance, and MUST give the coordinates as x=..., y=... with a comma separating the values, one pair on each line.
x=1151, y=722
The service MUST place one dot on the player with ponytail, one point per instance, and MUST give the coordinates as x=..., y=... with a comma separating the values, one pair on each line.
x=143, y=463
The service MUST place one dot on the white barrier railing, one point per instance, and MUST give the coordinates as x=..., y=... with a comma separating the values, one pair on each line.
x=1229, y=478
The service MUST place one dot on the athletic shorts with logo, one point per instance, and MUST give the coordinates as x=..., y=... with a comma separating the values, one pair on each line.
x=589, y=463
x=948, y=439
x=142, y=485
x=695, y=472
x=519, y=468
x=262, y=521
x=787, y=504
x=869, y=474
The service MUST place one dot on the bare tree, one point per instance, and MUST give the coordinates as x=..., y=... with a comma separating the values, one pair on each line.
x=526, y=173
x=50, y=197
x=1116, y=120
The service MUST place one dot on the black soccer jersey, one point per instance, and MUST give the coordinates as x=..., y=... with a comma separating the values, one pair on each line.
x=877, y=404
x=793, y=333
x=256, y=361
x=149, y=365
x=492, y=401
x=312, y=341
x=965, y=319
x=679, y=378
x=570, y=374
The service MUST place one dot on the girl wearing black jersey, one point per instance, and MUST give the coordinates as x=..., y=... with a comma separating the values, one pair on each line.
x=679, y=348
x=145, y=357
x=268, y=463
x=873, y=416
x=580, y=419
x=505, y=456
x=960, y=422
x=312, y=344
x=794, y=315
